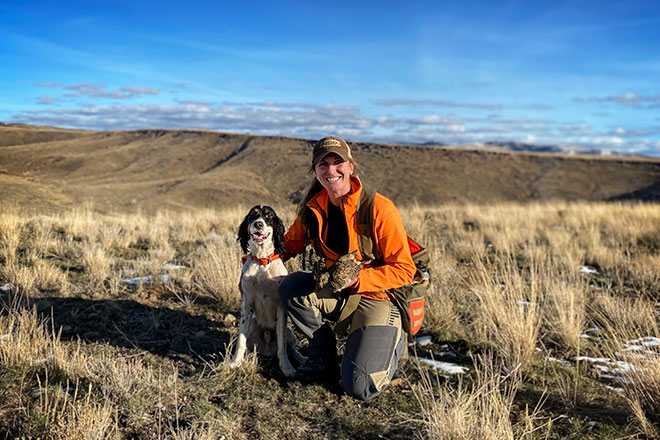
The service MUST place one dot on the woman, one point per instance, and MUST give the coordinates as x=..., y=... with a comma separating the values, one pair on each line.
x=327, y=214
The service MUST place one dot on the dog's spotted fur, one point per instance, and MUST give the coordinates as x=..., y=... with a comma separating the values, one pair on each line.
x=263, y=320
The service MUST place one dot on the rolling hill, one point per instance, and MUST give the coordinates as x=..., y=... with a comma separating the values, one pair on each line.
x=45, y=168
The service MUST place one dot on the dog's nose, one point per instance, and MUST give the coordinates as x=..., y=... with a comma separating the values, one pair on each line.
x=259, y=224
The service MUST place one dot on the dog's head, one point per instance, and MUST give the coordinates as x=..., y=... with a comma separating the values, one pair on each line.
x=260, y=225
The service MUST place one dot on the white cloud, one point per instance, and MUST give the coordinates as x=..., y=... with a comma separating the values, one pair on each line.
x=313, y=121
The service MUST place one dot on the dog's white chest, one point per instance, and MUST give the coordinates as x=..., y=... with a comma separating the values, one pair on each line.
x=260, y=284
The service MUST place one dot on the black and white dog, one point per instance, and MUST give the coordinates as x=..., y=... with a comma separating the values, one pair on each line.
x=263, y=319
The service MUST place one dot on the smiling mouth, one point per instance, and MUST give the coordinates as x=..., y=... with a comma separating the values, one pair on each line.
x=259, y=237
x=332, y=179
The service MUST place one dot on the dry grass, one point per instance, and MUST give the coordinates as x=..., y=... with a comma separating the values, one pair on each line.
x=565, y=312
x=506, y=278
x=632, y=338
x=478, y=410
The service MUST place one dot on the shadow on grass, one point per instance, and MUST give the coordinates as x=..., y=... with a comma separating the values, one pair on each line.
x=130, y=324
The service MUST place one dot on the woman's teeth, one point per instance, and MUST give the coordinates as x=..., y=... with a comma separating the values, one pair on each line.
x=332, y=179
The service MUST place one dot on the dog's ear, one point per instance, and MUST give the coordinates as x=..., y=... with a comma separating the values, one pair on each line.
x=278, y=233
x=244, y=234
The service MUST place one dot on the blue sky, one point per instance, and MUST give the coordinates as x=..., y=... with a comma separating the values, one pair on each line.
x=583, y=73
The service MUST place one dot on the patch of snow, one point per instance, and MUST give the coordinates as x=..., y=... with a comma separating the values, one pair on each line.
x=423, y=340
x=137, y=280
x=562, y=362
x=170, y=266
x=7, y=287
x=588, y=270
x=524, y=303
x=619, y=379
x=622, y=366
x=44, y=360
x=585, y=336
x=145, y=280
x=449, y=353
x=5, y=337
x=593, y=359
x=617, y=389
x=648, y=341
x=444, y=367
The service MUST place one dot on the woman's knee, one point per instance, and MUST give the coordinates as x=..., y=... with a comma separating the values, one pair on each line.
x=294, y=285
x=370, y=360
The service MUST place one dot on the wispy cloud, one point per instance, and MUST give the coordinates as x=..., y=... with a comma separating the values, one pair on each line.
x=436, y=103
x=635, y=132
x=91, y=90
x=458, y=105
x=632, y=100
x=46, y=100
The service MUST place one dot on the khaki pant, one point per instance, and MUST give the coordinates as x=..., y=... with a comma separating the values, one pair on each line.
x=375, y=340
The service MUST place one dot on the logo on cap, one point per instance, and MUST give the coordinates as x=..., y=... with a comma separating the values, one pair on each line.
x=330, y=143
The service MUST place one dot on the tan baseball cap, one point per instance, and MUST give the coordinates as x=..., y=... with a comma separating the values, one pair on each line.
x=331, y=144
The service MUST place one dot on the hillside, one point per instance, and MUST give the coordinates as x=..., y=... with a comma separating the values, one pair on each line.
x=49, y=168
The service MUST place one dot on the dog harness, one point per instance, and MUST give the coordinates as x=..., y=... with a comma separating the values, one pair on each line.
x=263, y=261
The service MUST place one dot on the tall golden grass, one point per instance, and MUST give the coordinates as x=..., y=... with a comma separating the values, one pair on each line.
x=507, y=278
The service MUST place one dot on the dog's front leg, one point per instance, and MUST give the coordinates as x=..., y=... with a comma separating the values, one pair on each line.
x=245, y=329
x=285, y=364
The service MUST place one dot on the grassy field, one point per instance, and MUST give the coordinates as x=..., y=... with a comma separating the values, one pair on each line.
x=117, y=327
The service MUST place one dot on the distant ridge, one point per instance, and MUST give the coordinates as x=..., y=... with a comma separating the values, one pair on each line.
x=532, y=148
x=154, y=169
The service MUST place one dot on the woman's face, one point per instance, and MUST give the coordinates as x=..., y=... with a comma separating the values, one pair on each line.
x=334, y=173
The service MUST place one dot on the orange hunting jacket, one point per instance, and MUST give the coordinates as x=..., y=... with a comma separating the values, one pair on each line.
x=390, y=237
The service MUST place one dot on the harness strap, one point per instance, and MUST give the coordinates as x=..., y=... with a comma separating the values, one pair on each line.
x=367, y=249
x=365, y=228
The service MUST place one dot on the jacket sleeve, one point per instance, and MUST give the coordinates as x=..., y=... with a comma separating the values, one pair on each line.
x=294, y=239
x=390, y=237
